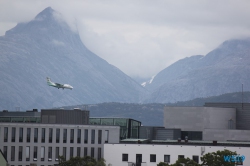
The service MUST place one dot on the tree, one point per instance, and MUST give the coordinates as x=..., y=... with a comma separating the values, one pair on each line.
x=81, y=161
x=211, y=159
x=217, y=158
x=185, y=161
x=162, y=164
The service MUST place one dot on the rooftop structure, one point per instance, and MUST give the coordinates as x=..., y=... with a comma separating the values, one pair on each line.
x=129, y=128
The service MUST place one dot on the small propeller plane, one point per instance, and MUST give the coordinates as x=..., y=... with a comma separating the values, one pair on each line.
x=57, y=85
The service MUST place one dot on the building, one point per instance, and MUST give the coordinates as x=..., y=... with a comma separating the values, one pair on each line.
x=209, y=122
x=26, y=143
x=187, y=132
x=20, y=117
x=133, y=153
x=242, y=113
x=129, y=128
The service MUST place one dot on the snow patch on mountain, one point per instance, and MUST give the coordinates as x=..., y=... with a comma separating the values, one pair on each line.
x=144, y=84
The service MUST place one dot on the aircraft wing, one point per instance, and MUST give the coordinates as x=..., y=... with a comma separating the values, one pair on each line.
x=59, y=85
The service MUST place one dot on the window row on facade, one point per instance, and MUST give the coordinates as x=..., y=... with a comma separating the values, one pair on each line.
x=24, y=153
x=27, y=137
x=125, y=157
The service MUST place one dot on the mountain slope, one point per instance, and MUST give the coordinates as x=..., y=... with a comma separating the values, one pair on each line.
x=151, y=114
x=223, y=70
x=46, y=46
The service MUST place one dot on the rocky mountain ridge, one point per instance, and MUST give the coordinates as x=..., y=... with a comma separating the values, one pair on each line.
x=47, y=47
x=221, y=71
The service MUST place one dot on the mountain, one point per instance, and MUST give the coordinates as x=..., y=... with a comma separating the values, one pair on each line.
x=222, y=70
x=47, y=47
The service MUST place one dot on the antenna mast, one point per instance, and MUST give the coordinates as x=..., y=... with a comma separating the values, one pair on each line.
x=242, y=97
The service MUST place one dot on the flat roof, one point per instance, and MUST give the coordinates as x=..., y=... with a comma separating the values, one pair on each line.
x=188, y=142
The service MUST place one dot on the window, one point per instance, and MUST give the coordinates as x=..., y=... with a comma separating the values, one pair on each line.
x=99, y=154
x=35, y=153
x=20, y=134
x=239, y=162
x=20, y=153
x=57, y=135
x=35, y=134
x=99, y=136
x=153, y=158
x=43, y=135
x=50, y=154
x=86, y=136
x=71, y=152
x=28, y=135
x=50, y=135
x=5, y=151
x=42, y=153
x=6, y=134
x=57, y=153
x=64, y=152
x=71, y=135
x=64, y=135
x=180, y=156
x=85, y=151
x=124, y=157
x=78, y=152
x=196, y=159
x=27, y=153
x=13, y=134
x=12, y=155
x=92, y=152
x=167, y=158
x=79, y=136
x=106, y=136
x=92, y=136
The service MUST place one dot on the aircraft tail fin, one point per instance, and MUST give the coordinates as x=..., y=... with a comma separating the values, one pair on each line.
x=48, y=79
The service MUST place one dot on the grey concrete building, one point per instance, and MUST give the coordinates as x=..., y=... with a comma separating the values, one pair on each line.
x=242, y=113
x=158, y=133
x=199, y=118
x=215, y=121
x=58, y=133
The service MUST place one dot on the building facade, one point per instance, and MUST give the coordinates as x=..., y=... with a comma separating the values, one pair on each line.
x=39, y=138
x=151, y=154
x=213, y=122
x=41, y=144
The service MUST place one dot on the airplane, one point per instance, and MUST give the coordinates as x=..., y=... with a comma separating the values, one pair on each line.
x=57, y=85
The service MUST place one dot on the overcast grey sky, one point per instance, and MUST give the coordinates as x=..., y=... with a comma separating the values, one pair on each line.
x=142, y=37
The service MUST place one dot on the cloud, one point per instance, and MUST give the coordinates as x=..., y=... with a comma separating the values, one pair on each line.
x=142, y=37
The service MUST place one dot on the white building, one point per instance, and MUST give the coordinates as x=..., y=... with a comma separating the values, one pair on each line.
x=150, y=154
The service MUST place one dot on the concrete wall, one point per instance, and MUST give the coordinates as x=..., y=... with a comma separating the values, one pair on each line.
x=198, y=118
x=242, y=113
x=113, y=152
x=59, y=116
x=224, y=135
x=114, y=132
